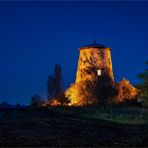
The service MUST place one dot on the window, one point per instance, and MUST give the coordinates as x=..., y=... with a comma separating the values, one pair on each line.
x=99, y=72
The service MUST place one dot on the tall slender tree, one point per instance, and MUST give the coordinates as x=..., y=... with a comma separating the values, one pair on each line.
x=54, y=83
x=57, y=80
x=50, y=87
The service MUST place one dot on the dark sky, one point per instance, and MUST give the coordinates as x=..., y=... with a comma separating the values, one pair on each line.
x=36, y=35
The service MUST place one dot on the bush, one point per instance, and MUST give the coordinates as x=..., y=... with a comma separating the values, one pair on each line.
x=82, y=93
x=126, y=92
x=61, y=99
x=36, y=101
x=98, y=90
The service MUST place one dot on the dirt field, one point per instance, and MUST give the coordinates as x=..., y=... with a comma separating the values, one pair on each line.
x=45, y=127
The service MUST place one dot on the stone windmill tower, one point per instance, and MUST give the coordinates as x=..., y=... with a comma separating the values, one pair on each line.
x=94, y=59
x=94, y=77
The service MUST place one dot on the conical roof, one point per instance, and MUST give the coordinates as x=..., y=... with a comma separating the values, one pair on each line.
x=93, y=45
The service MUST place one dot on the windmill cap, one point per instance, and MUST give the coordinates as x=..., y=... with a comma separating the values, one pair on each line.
x=93, y=45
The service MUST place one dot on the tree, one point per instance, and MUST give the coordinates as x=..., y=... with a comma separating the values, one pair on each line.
x=5, y=104
x=57, y=80
x=126, y=92
x=50, y=87
x=35, y=101
x=54, y=83
x=144, y=85
x=18, y=105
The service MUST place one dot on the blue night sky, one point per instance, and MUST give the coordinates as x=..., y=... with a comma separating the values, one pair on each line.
x=36, y=35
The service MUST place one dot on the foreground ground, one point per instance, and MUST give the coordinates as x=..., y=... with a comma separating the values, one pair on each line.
x=47, y=127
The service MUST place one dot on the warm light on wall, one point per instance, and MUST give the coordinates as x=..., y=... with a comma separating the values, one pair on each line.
x=99, y=72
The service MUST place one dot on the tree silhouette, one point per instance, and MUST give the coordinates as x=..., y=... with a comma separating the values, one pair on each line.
x=54, y=83
x=144, y=84
x=35, y=101
x=50, y=86
x=57, y=80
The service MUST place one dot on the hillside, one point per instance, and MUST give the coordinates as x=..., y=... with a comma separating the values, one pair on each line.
x=46, y=127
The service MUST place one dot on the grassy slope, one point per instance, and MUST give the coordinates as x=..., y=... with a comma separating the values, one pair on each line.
x=49, y=127
x=118, y=114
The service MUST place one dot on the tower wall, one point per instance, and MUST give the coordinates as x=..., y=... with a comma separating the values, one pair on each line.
x=94, y=58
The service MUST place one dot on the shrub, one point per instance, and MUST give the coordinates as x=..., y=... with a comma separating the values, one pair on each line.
x=82, y=93
x=126, y=92
x=95, y=91
x=61, y=99
x=36, y=101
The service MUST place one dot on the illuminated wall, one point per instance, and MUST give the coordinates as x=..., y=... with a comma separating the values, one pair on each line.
x=92, y=59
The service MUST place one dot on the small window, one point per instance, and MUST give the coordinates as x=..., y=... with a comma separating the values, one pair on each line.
x=99, y=72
